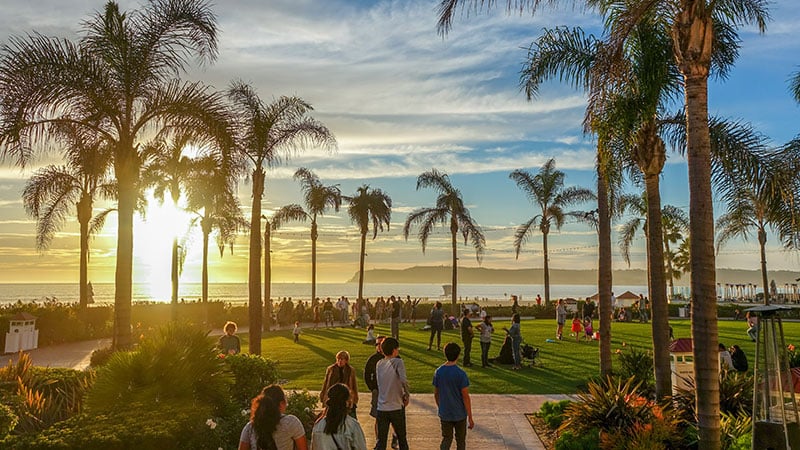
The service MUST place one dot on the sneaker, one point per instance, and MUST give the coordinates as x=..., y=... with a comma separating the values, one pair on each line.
x=395, y=442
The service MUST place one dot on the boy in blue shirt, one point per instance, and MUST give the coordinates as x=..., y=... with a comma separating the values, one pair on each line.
x=451, y=392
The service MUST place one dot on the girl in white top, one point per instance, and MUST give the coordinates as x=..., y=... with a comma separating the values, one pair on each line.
x=486, y=330
x=336, y=430
x=269, y=428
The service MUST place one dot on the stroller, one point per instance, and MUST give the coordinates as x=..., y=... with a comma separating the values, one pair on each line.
x=527, y=353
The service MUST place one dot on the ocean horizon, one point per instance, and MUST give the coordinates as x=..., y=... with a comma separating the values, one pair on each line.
x=237, y=293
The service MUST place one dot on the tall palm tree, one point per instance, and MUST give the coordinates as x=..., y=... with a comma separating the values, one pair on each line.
x=52, y=191
x=168, y=169
x=546, y=190
x=368, y=205
x=212, y=198
x=117, y=81
x=318, y=198
x=269, y=133
x=449, y=210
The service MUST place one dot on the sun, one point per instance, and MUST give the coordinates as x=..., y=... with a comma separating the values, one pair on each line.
x=152, y=246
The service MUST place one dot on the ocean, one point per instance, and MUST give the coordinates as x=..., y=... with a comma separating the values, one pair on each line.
x=237, y=292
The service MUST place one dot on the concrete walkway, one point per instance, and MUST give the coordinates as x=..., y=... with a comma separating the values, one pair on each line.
x=500, y=421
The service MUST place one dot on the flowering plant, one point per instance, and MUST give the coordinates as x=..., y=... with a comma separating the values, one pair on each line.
x=794, y=356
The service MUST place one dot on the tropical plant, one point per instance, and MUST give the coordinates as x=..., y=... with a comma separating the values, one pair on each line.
x=546, y=190
x=212, y=198
x=250, y=374
x=553, y=413
x=318, y=198
x=736, y=392
x=118, y=83
x=269, y=134
x=449, y=210
x=636, y=364
x=52, y=191
x=178, y=363
x=368, y=205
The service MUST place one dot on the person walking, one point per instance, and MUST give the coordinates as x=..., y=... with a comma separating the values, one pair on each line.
x=486, y=329
x=451, y=394
x=341, y=372
x=336, y=429
x=397, y=307
x=393, y=394
x=436, y=322
x=467, y=333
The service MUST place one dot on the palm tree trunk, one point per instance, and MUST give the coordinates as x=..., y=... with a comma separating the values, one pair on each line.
x=254, y=272
x=670, y=269
x=204, y=279
x=762, y=243
x=314, y=236
x=84, y=216
x=361, y=264
x=703, y=276
x=604, y=271
x=123, y=276
x=657, y=288
x=454, y=280
x=267, y=277
x=174, y=278
x=546, y=271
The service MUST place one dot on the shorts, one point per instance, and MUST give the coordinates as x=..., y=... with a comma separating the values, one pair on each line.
x=373, y=404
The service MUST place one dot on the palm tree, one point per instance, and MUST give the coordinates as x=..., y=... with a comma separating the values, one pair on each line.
x=212, y=199
x=318, y=198
x=450, y=209
x=118, y=81
x=281, y=216
x=168, y=169
x=268, y=135
x=52, y=191
x=368, y=205
x=546, y=190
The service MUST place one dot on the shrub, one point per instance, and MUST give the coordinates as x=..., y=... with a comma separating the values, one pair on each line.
x=250, y=373
x=179, y=362
x=100, y=356
x=735, y=393
x=8, y=420
x=608, y=406
x=793, y=355
x=736, y=431
x=639, y=365
x=578, y=441
x=303, y=404
x=553, y=413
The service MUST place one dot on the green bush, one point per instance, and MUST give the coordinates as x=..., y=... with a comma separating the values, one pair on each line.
x=100, y=356
x=736, y=431
x=303, y=404
x=553, y=413
x=578, y=441
x=735, y=393
x=8, y=420
x=179, y=362
x=251, y=373
x=639, y=365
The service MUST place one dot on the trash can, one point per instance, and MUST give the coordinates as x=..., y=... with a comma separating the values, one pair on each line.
x=681, y=312
x=22, y=333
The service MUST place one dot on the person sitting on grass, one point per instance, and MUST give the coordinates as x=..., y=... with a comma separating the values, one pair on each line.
x=370, y=335
x=229, y=343
x=269, y=426
x=738, y=358
x=336, y=429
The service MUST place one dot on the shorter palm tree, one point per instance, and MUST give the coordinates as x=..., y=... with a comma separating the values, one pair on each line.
x=368, y=205
x=449, y=209
x=52, y=191
x=546, y=190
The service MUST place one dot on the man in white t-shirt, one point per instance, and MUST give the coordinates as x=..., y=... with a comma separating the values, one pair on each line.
x=393, y=394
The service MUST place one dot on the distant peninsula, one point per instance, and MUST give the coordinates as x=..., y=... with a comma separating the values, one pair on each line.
x=482, y=275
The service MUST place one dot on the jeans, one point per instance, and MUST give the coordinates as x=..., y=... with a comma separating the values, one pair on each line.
x=460, y=429
x=485, y=353
x=436, y=329
x=515, y=343
x=467, y=349
x=397, y=419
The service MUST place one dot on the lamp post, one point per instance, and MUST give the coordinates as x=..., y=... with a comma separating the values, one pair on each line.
x=776, y=424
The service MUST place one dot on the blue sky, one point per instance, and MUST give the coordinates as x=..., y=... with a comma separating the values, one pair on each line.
x=401, y=100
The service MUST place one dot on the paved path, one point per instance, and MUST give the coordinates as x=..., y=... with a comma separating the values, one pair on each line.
x=500, y=421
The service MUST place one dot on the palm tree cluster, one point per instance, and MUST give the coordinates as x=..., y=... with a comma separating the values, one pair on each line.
x=651, y=54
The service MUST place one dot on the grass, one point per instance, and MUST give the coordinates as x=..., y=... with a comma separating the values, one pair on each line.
x=563, y=367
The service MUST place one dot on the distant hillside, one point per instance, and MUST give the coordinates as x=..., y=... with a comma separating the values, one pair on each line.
x=482, y=275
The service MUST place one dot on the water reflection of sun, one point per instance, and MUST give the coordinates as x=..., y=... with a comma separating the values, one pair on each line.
x=152, y=247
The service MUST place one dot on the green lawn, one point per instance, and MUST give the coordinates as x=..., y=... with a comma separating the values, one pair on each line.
x=564, y=366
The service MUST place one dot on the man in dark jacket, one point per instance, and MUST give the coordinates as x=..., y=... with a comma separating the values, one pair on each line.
x=467, y=334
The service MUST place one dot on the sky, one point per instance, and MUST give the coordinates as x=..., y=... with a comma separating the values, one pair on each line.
x=400, y=100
